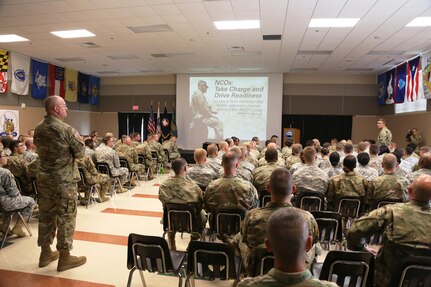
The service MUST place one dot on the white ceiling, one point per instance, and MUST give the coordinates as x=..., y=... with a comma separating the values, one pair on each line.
x=194, y=45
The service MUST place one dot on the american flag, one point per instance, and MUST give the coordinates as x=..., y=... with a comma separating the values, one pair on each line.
x=413, y=89
x=151, y=122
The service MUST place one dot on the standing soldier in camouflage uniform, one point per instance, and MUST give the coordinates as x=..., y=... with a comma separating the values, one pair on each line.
x=424, y=167
x=310, y=177
x=387, y=185
x=230, y=191
x=179, y=189
x=11, y=199
x=172, y=148
x=262, y=174
x=126, y=150
x=58, y=146
x=385, y=135
x=201, y=174
x=405, y=228
x=92, y=176
x=363, y=169
x=108, y=155
x=346, y=184
x=253, y=227
x=288, y=237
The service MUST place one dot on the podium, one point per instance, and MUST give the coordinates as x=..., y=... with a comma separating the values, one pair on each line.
x=293, y=134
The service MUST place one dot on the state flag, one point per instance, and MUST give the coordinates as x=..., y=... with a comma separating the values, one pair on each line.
x=414, y=90
x=94, y=88
x=174, y=131
x=382, y=94
x=39, y=72
x=426, y=81
x=20, y=74
x=400, y=84
x=56, y=80
x=159, y=129
x=4, y=63
x=71, y=81
x=83, y=80
x=166, y=125
x=390, y=84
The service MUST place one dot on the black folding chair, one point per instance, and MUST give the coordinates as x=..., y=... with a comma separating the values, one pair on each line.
x=348, y=268
x=225, y=222
x=211, y=260
x=330, y=231
x=264, y=261
x=103, y=167
x=386, y=201
x=349, y=207
x=167, y=154
x=180, y=218
x=310, y=201
x=125, y=163
x=8, y=217
x=151, y=253
x=141, y=159
x=264, y=197
x=93, y=188
x=412, y=271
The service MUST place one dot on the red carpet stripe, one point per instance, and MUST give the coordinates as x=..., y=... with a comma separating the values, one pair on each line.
x=22, y=279
x=146, y=196
x=100, y=238
x=133, y=212
x=156, y=184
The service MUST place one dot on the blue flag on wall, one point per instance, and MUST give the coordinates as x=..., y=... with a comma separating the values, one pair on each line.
x=83, y=88
x=382, y=94
x=390, y=86
x=94, y=86
x=400, y=84
x=39, y=79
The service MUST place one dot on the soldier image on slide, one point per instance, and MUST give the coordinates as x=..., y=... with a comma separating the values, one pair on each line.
x=202, y=111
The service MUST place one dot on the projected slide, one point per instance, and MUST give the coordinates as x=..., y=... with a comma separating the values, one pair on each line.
x=228, y=106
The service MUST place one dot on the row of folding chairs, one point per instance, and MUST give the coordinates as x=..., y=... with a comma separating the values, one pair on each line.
x=211, y=260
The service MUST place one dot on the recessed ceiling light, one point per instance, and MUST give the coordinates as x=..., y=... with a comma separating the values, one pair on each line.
x=12, y=38
x=420, y=22
x=73, y=34
x=333, y=22
x=240, y=24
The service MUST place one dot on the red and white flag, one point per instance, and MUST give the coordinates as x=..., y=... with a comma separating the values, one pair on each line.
x=56, y=79
x=414, y=89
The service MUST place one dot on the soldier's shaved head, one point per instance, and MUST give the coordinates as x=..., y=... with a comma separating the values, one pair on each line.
x=237, y=150
x=50, y=102
x=296, y=149
x=200, y=155
x=55, y=106
x=425, y=161
x=420, y=189
x=389, y=161
x=280, y=183
x=271, y=155
x=230, y=162
x=287, y=236
x=272, y=145
x=309, y=154
x=178, y=165
x=223, y=145
x=212, y=150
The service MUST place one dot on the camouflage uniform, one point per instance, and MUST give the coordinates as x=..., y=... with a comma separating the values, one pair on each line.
x=241, y=172
x=161, y=156
x=202, y=175
x=253, y=233
x=400, y=172
x=345, y=184
x=252, y=160
x=324, y=164
x=230, y=192
x=29, y=156
x=92, y=176
x=247, y=165
x=405, y=228
x=18, y=167
x=254, y=153
x=179, y=189
x=10, y=197
x=90, y=152
x=367, y=172
x=296, y=166
x=261, y=175
x=387, y=186
x=332, y=171
x=384, y=137
x=277, y=278
x=286, y=152
x=376, y=163
x=108, y=155
x=415, y=174
x=144, y=150
x=310, y=178
x=214, y=164
x=58, y=146
x=280, y=162
x=262, y=153
x=172, y=149
x=291, y=160
x=130, y=154
x=202, y=112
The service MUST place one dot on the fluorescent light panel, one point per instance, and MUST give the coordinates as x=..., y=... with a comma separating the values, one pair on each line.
x=420, y=22
x=333, y=22
x=73, y=34
x=240, y=24
x=12, y=38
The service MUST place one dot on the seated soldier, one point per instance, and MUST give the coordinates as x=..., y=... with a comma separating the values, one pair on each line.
x=143, y=149
x=89, y=149
x=126, y=150
x=11, y=198
x=336, y=167
x=299, y=164
x=288, y=237
x=179, y=189
x=374, y=158
x=18, y=166
x=223, y=147
x=287, y=149
x=155, y=146
x=387, y=185
x=424, y=167
x=30, y=152
x=294, y=157
x=105, y=153
x=136, y=139
x=280, y=160
x=244, y=162
x=230, y=191
x=399, y=171
x=172, y=148
x=242, y=172
x=262, y=174
x=252, y=233
x=346, y=184
x=212, y=160
x=405, y=228
x=408, y=161
x=363, y=169
x=324, y=162
x=92, y=176
x=251, y=156
x=201, y=174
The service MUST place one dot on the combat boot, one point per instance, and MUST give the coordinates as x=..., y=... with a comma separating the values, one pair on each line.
x=47, y=256
x=121, y=189
x=133, y=181
x=103, y=198
x=67, y=261
x=18, y=229
x=171, y=241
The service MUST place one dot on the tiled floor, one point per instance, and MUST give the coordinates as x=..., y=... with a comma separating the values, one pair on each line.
x=101, y=235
